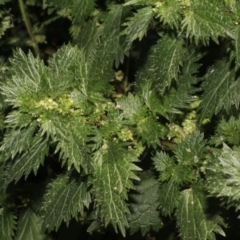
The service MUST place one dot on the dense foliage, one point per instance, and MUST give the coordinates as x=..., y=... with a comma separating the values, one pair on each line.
x=131, y=128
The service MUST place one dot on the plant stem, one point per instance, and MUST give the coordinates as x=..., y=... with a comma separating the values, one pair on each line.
x=28, y=26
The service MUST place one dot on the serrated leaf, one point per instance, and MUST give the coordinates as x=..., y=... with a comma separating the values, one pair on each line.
x=29, y=226
x=170, y=168
x=237, y=46
x=67, y=68
x=220, y=90
x=89, y=36
x=108, y=49
x=104, y=38
x=74, y=152
x=66, y=198
x=164, y=61
x=111, y=29
x=205, y=19
x=168, y=197
x=27, y=74
x=150, y=130
x=224, y=174
x=137, y=26
x=161, y=160
x=169, y=13
x=28, y=161
x=7, y=224
x=81, y=9
x=18, y=119
x=144, y=206
x=215, y=224
x=95, y=225
x=191, y=150
x=132, y=107
x=103, y=74
x=18, y=140
x=140, y=2
x=152, y=99
x=5, y=21
x=190, y=217
x=114, y=172
x=183, y=94
x=227, y=132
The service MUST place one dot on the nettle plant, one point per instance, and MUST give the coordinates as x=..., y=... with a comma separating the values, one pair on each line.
x=133, y=126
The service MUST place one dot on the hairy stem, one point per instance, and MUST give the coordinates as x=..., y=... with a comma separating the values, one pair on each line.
x=28, y=26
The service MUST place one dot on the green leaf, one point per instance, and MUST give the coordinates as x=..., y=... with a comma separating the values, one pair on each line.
x=205, y=19
x=74, y=152
x=164, y=61
x=111, y=31
x=169, y=195
x=133, y=107
x=66, y=198
x=81, y=9
x=150, y=131
x=152, y=99
x=181, y=168
x=7, y=224
x=237, y=46
x=27, y=74
x=18, y=140
x=89, y=36
x=104, y=38
x=66, y=69
x=137, y=26
x=114, y=170
x=29, y=226
x=140, y=2
x=223, y=175
x=215, y=224
x=191, y=151
x=103, y=74
x=28, y=161
x=5, y=21
x=227, y=132
x=17, y=119
x=221, y=90
x=169, y=168
x=169, y=13
x=107, y=49
x=190, y=216
x=70, y=134
x=183, y=94
x=144, y=206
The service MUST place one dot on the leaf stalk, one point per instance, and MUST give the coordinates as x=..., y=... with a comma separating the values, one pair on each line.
x=28, y=26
